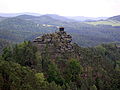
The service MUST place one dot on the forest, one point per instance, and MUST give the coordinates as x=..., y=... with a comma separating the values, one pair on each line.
x=26, y=27
x=23, y=67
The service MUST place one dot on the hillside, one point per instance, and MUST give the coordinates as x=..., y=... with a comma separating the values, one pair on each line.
x=48, y=63
x=27, y=27
x=2, y=18
x=17, y=14
x=61, y=18
x=18, y=30
x=83, y=19
x=44, y=19
x=116, y=18
x=105, y=22
x=114, y=21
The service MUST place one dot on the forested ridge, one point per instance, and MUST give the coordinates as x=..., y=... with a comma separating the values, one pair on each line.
x=25, y=27
x=23, y=67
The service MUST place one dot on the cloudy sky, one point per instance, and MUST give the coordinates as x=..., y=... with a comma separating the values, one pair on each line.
x=91, y=8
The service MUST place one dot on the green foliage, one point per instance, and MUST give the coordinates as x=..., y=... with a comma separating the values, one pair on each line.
x=93, y=87
x=74, y=66
x=40, y=77
x=7, y=54
x=3, y=43
x=83, y=87
x=53, y=86
x=54, y=74
x=45, y=59
x=23, y=67
x=101, y=49
x=16, y=77
x=117, y=67
x=74, y=69
x=23, y=54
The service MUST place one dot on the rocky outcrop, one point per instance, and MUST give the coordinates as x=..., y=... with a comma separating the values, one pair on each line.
x=58, y=42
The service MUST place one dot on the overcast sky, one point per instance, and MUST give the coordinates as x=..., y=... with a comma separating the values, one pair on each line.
x=91, y=8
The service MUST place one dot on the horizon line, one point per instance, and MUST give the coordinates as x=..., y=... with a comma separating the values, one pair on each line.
x=39, y=14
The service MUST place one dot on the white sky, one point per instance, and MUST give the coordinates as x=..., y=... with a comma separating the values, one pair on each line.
x=91, y=8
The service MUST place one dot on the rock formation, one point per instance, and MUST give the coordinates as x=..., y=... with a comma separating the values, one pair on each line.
x=60, y=41
x=58, y=44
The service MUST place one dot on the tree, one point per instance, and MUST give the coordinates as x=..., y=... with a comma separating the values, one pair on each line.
x=74, y=69
x=24, y=54
x=93, y=87
x=7, y=54
x=83, y=87
x=54, y=74
x=16, y=77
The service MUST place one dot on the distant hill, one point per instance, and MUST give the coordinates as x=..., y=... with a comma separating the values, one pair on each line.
x=25, y=16
x=117, y=18
x=82, y=18
x=16, y=24
x=55, y=16
x=36, y=15
x=17, y=14
x=2, y=18
x=61, y=18
x=18, y=30
x=104, y=22
x=44, y=19
x=113, y=21
x=26, y=27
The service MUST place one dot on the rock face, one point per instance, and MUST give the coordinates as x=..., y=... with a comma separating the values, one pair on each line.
x=57, y=45
x=58, y=42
